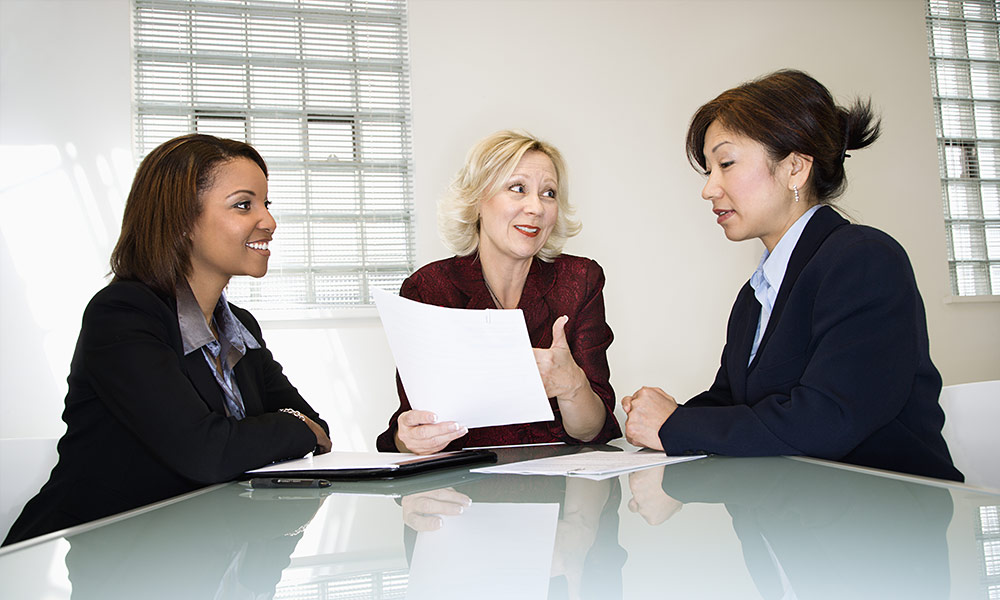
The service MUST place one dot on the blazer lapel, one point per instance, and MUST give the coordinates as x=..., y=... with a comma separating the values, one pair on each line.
x=203, y=380
x=820, y=226
x=252, y=402
x=538, y=315
x=198, y=371
x=744, y=329
x=467, y=277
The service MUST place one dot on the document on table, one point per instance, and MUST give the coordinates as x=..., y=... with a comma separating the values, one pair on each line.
x=591, y=465
x=475, y=367
x=342, y=461
x=369, y=465
x=501, y=550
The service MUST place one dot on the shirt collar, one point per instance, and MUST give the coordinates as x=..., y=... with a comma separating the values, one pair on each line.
x=775, y=263
x=195, y=332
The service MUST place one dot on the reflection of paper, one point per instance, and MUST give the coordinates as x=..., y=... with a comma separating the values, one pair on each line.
x=592, y=465
x=475, y=367
x=489, y=551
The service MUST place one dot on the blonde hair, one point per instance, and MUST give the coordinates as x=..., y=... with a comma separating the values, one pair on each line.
x=488, y=165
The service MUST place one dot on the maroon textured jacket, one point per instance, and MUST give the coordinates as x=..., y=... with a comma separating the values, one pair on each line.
x=571, y=286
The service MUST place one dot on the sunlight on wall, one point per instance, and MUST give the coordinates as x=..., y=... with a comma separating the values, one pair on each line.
x=348, y=426
x=46, y=227
x=62, y=212
x=346, y=374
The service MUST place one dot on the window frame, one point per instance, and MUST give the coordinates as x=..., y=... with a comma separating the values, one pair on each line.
x=371, y=199
x=961, y=71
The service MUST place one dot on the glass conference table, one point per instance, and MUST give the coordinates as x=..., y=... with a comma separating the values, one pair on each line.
x=711, y=528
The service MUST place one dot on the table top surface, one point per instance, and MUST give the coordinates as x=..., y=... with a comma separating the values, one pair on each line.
x=718, y=527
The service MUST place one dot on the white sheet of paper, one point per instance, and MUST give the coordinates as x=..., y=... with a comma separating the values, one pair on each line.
x=591, y=465
x=338, y=461
x=501, y=550
x=475, y=367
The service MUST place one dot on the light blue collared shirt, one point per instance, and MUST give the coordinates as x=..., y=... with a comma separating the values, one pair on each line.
x=233, y=343
x=766, y=280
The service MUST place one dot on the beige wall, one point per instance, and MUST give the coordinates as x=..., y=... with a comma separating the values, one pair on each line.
x=611, y=82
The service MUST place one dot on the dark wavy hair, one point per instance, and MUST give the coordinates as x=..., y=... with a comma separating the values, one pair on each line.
x=789, y=111
x=163, y=205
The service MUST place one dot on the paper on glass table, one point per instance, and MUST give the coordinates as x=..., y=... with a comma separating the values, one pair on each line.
x=475, y=367
x=339, y=461
x=595, y=465
x=491, y=550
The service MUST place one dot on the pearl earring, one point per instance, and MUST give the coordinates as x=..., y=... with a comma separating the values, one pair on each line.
x=795, y=189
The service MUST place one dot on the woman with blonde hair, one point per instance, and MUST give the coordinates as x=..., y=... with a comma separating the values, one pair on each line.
x=507, y=218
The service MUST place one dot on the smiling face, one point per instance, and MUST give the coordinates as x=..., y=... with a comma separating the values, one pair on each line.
x=515, y=223
x=751, y=196
x=232, y=232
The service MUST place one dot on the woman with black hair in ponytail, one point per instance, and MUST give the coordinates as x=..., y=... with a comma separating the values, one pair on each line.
x=826, y=348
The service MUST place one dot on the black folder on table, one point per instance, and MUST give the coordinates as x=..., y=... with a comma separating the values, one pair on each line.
x=356, y=466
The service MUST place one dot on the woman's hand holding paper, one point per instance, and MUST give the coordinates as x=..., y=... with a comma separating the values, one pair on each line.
x=419, y=432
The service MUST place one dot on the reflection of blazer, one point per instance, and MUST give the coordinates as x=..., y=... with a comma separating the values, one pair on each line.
x=145, y=423
x=570, y=285
x=825, y=532
x=843, y=370
x=219, y=544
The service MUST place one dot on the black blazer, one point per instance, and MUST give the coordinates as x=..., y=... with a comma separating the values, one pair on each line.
x=145, y=423
x=843, y=370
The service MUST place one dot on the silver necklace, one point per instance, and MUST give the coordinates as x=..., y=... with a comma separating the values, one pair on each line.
x=492, y=294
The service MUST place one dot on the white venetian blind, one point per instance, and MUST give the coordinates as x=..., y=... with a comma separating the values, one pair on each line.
x=988, y=538
x=321, y=89
x=964, y=45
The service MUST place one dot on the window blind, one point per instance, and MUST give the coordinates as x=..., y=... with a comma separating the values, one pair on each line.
x=964, y=47
x=988, y=536
x=321, y=89
x=375, y=585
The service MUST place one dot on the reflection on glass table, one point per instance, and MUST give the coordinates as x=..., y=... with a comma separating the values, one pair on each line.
x=713, y=528
x=809, y=532
x=215, y=545
x=580, y=535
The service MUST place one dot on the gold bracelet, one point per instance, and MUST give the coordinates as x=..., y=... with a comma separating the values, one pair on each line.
x=294, y=413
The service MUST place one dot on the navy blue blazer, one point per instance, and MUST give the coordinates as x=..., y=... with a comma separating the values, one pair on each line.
x=843, y=370
x=144, y=422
